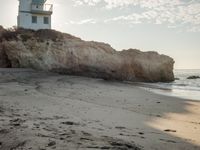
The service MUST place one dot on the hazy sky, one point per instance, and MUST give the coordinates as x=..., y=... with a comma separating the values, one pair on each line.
x=170, y=27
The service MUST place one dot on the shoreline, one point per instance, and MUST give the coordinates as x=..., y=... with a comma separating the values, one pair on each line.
x=174, y=93
x=178, y=93
x=50, y=111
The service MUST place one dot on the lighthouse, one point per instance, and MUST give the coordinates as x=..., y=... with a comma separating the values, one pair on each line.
x=34, y=14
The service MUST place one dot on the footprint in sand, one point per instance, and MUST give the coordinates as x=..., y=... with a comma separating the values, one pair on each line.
x=16, y=122
x=169, y=141
x=86, y=134
x=51, y=143
x=86, y=139
x=70, y=123
x=121, y=128
x=4, y=131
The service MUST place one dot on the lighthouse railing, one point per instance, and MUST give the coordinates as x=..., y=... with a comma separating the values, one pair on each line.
x=42, y=7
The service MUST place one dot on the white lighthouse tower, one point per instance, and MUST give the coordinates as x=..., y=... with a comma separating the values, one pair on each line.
x=34, y=14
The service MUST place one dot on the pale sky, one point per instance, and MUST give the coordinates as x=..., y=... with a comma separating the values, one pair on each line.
x=171, y=27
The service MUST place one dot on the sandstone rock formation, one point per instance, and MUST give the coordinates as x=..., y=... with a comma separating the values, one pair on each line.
x=50, y=50
x=4, y=62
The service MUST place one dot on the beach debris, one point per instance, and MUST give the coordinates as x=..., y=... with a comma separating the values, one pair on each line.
x=169, y=130
x=141, y=133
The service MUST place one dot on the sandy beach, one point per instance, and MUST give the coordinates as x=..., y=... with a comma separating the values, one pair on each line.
x=44, y=111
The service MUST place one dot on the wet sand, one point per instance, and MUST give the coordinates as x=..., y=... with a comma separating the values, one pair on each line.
x=44, y=111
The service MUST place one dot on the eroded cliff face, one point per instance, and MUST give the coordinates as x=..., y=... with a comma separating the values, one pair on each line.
x=50, y=50
x=4, y=62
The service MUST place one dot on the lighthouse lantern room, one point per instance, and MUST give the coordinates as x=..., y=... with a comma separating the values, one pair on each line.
x=34, y=14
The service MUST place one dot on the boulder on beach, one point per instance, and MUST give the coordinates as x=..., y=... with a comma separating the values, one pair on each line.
x=54, y=51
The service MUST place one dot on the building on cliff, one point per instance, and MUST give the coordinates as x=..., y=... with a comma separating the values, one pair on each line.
x=34, y=14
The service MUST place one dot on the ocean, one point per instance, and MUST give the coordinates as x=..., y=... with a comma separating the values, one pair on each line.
x=183, y=88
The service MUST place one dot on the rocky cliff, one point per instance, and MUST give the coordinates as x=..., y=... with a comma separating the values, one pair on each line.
x=4, y=62
x=50, y=50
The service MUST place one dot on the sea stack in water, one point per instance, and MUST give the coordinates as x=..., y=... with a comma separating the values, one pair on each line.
x=193, y=77
x=54, y=51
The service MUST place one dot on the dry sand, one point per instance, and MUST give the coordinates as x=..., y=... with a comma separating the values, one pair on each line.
x=44, y=111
